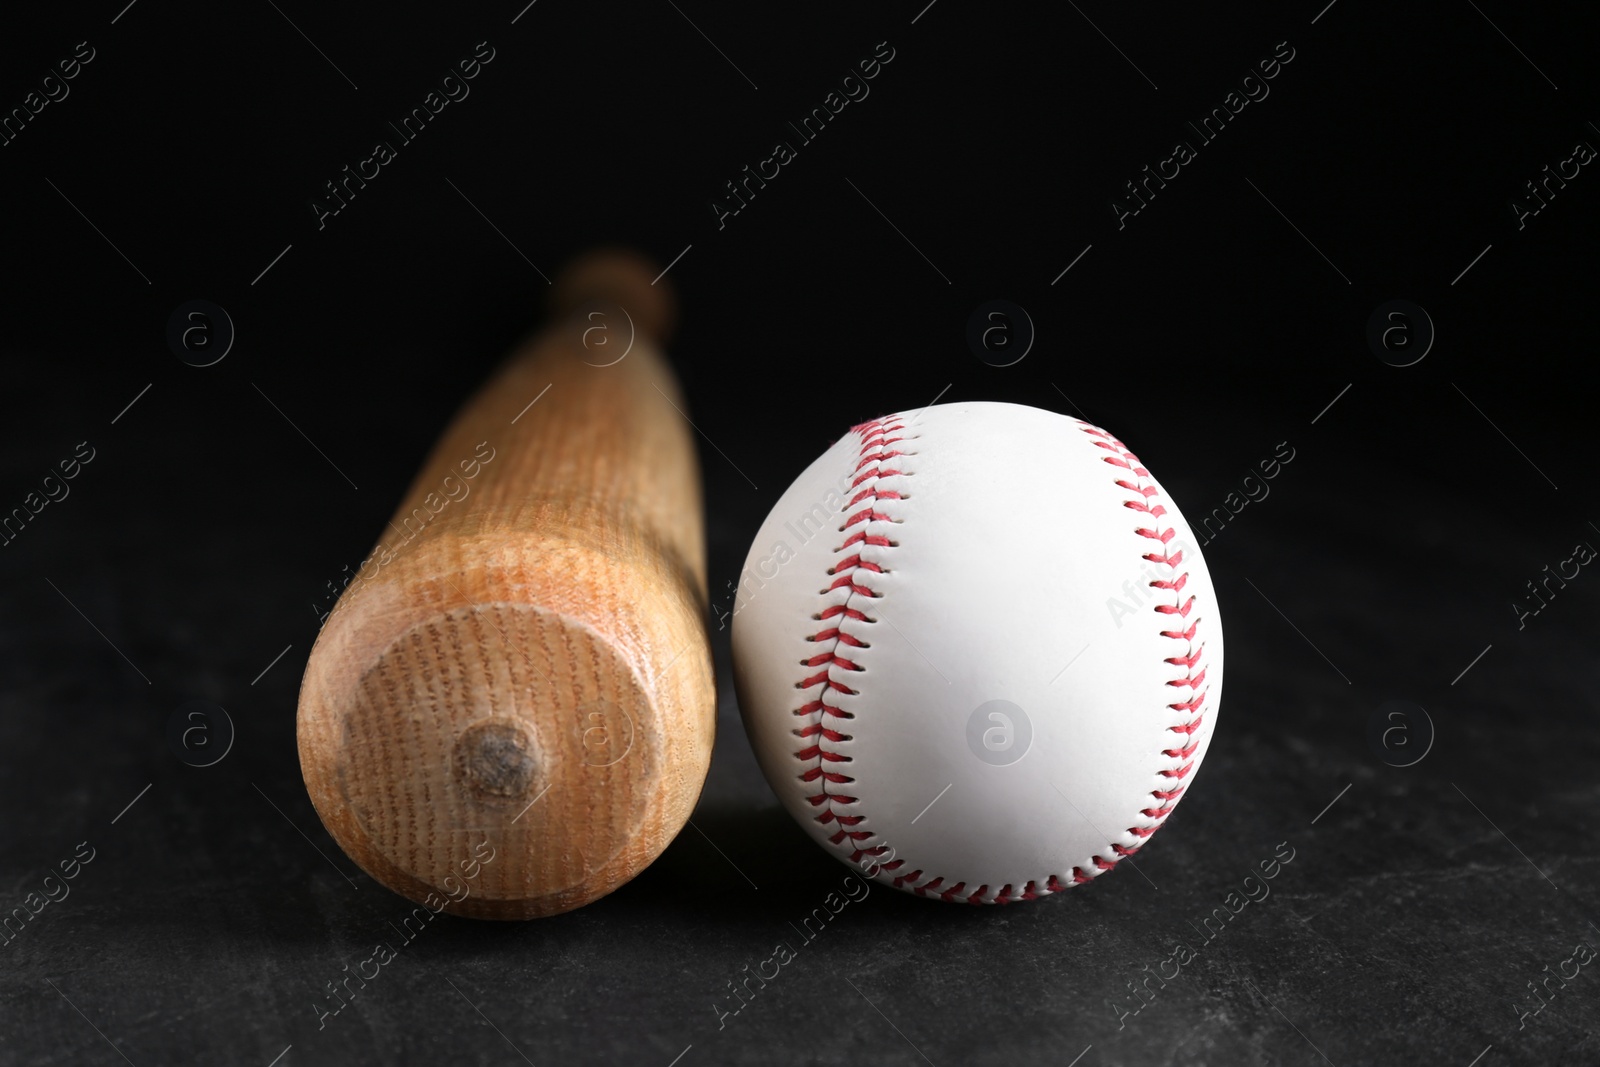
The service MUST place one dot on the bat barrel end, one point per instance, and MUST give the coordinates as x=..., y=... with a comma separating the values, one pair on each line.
x=495, y=760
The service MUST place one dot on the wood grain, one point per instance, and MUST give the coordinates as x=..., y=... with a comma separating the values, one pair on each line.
x=522, y=669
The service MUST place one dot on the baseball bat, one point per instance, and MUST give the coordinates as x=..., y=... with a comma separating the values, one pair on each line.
x=509, y=712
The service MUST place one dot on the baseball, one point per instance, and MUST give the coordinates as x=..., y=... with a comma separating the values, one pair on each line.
x=977, y=652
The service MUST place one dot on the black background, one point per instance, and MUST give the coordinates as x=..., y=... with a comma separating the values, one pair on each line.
x=196, y=545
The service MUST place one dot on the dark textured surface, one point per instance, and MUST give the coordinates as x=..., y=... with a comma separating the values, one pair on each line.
x=1405, y=924
x=198, y=543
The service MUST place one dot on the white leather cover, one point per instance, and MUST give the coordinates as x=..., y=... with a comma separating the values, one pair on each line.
x=972, y=553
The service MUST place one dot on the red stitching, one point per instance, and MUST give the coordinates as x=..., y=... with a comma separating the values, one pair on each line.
x=874, y=449
x=1181, y=757
x=875, y=441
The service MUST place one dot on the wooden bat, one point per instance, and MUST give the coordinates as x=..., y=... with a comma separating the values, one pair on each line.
x=509, y=712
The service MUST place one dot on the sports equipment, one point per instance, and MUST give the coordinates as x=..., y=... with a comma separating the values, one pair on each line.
x=977, y=652
x=510, y=711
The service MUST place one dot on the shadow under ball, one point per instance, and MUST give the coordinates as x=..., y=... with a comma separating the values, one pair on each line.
x=510, y=710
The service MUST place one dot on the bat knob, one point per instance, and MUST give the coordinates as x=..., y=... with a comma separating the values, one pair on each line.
x=622, y=277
